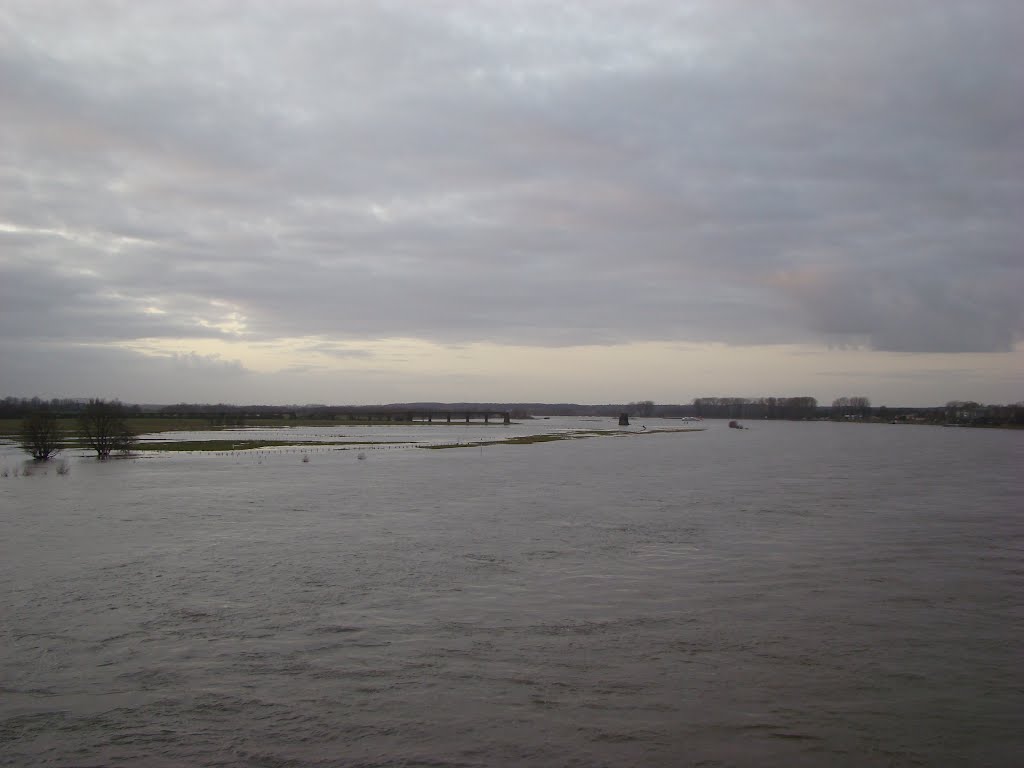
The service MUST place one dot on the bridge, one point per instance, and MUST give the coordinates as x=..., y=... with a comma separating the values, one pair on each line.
x=428, y=416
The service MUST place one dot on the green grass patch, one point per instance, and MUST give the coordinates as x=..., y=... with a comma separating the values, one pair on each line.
x=530, y=439
x=273, y=423
x=10, y=428
x=142, y=425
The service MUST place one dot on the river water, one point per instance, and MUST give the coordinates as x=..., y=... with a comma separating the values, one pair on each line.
x=797, y=594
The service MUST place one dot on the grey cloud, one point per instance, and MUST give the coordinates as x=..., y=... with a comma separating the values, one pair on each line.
x=923, y=313
x=528, y=173
x=59, y=369
x=44, y=303
x=340, y=351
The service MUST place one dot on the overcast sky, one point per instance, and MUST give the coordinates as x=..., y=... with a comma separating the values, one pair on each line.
x=365, y=202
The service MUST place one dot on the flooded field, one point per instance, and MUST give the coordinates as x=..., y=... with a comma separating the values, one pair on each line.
x=791, y=594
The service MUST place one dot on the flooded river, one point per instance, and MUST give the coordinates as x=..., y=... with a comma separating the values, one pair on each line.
x=796, y=594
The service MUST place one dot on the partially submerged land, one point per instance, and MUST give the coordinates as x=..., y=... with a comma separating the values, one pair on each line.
x=155, y=435
x=145, y=428
x=247, y=445
x=44, y=428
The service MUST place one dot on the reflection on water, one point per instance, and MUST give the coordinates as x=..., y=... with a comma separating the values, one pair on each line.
x=791, y=594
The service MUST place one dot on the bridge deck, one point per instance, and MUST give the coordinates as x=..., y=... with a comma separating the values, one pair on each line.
x=429, y=416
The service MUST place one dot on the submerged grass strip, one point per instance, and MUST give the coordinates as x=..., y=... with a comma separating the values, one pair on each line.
x=553, y=436
x=243, y=445
x=525, y=440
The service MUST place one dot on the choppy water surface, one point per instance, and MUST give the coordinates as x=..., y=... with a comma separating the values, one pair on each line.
x=792, y=594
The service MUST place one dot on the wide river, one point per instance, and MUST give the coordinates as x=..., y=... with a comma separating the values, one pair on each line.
x=793, y=594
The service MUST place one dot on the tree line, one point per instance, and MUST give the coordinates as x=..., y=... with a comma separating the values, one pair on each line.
x=788, y=408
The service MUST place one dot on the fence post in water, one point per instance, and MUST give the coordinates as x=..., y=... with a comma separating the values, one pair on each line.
x=623, y=419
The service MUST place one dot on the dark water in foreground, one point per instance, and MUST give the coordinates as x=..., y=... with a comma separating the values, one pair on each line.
x=794, y=594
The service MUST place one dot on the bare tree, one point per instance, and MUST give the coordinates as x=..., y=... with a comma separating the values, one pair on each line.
x=861, y=406
x=851, y=407
x=643, y=408
x=103, y=428
x=40, y=435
